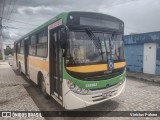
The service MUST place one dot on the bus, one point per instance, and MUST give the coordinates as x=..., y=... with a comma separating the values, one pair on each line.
x=76, y=58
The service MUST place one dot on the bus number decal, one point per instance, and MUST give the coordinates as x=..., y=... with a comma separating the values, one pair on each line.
x=91, y=85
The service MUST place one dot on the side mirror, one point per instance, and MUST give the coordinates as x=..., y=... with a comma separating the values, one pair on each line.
x=63, y=38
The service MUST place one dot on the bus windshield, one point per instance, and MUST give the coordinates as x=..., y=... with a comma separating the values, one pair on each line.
x=83, y=50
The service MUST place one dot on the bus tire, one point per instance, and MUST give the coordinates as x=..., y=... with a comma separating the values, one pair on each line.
x=43, y=87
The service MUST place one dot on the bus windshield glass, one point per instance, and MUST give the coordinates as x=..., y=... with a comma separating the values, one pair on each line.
x=83, y=50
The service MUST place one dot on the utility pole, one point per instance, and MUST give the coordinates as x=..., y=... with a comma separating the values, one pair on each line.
x=1, y=41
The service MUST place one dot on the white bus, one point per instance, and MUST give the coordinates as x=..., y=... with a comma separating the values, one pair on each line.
x=77, y=58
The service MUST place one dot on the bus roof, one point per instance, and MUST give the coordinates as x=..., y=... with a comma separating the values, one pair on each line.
x=60, y=16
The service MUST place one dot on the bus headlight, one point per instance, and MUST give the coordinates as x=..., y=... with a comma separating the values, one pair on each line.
x=76, y=89
x=85, y=91
x=72, y=86
x=79, y=90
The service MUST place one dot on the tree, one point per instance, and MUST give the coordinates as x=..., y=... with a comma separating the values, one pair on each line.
x=8, y=51
x=0, y=55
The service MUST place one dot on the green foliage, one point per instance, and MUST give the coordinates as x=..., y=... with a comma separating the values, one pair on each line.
x=8, y=51
x=0, y=56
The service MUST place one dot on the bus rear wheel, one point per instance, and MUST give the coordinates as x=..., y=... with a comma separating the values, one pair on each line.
x=43, y=87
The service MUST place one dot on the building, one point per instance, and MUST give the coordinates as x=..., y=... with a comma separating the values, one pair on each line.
x=142, y=52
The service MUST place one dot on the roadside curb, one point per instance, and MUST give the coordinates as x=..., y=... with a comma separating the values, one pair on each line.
x=143, y=78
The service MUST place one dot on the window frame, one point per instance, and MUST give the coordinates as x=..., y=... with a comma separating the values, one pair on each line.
x=42, y=31
x=22, y=46
x=37, y=42
x=43, y=43
x=18, y=47
x=31, y=45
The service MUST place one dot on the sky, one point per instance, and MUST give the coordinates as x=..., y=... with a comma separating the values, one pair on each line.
x=139, y=16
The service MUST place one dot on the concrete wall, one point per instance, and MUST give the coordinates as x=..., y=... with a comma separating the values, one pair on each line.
x=134, y=45
x=142, y=38
x=158, y=61
x=134, y=57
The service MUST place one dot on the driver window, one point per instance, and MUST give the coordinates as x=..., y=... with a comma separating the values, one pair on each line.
x=79, y=47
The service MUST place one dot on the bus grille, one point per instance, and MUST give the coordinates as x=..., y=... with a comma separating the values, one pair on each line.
x=96, y=76
x=104, y=76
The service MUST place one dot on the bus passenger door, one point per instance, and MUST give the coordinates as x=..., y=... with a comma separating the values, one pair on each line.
x=26, y=52
x=55, y=65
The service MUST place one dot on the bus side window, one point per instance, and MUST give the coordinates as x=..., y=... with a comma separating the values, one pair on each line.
x=22, y=47
x=14, y=47
x=42, y=46
x=32, y=47
x=18, y=50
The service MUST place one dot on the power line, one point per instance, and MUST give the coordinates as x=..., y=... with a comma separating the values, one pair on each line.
x=7, y=39
x=8, y=10
x=4, y=35
x=12, y=27
x=3, y=7
x=1, y=40
x=19, y=21
x=4, y=27
x=13, y=4
x=20, y=25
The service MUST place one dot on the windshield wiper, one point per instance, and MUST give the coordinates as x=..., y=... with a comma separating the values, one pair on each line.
x=93, y=37
x=110, y=48
x=96, y=41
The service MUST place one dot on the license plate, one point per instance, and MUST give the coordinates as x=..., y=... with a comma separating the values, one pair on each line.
x=107, y=94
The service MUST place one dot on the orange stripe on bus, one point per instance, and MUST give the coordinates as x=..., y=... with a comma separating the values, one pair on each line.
x=41, y=64
x=95, y=68
x=119, y=64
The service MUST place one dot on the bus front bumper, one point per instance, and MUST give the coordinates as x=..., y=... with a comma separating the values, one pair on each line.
x=76, y=101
